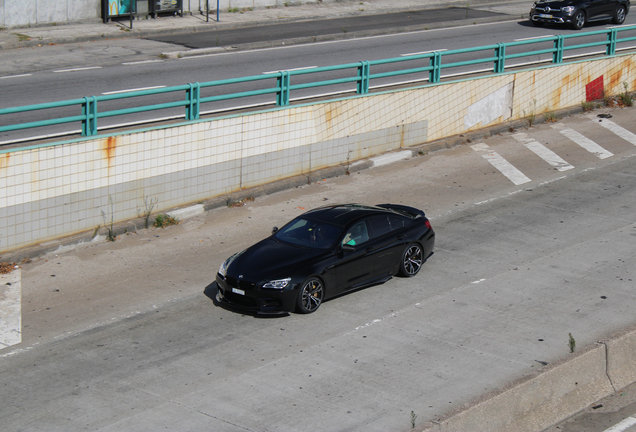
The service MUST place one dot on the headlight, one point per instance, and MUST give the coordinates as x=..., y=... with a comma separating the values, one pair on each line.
x=277, y=284
x=227, y=262
x=568, y=9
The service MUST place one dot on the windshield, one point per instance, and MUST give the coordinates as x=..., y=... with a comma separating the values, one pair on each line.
x=307, y=233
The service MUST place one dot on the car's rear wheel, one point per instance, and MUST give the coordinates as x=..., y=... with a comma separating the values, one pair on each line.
x=579, y=20
x=412, y=260
x=619, y=15
x=310, y=296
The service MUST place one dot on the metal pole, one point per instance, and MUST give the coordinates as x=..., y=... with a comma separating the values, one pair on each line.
x=131, y=9
x=207, y=10
x=217, y=10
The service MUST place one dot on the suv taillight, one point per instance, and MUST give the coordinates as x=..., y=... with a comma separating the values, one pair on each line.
x=428, y=224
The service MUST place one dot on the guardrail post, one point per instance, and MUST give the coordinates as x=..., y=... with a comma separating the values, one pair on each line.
x=89, y=111
x=610, y=48
x=193, y=95
x=282, y=97
x=557, y=57
x=500, y=53
x=436, y=62
x=364, y=70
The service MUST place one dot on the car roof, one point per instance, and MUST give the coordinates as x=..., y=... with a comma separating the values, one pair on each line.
x=343, y=214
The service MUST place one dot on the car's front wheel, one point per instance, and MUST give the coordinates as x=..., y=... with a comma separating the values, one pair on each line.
x=310, y=296
x=619, y=15
x=412, y=260
x=579, y=20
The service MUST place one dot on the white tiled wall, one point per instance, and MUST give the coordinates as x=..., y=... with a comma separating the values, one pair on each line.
x=73, y=187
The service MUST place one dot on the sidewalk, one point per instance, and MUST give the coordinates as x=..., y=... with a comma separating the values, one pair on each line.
x=96, y=30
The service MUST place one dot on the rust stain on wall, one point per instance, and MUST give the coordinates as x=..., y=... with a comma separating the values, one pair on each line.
x=556, y=98
x=615, y=79
x=4, y=160
x=109, y=145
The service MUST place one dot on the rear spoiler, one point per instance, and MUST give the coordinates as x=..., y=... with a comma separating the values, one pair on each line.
x=404, y=210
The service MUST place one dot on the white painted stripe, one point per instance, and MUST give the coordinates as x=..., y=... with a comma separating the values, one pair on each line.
x=584, y=142
x=620, y=427
x=422, y=52
x=142, y=62
x=618, y=130
x=535, y=37
x=296, y=69
x=505, y=167
x=10, y=309
x=132, y=90
x=543, y=152
x=15, y=76
x=77, y=69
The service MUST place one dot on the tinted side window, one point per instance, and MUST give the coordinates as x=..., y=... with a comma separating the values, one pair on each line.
x=379, y=226
x=396, y=222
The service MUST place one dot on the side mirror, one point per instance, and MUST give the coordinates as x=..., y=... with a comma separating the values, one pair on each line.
x=348, y=248
x=274, y=230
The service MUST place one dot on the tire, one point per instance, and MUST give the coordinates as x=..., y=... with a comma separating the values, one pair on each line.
x=310, y=296
x=579, y=20
x=619, y=14
x=412, y=260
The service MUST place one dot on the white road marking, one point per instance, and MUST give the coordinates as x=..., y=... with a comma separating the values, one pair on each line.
x=142, y=62
x=132, y=90
x=77, y=69
x=505, y=167
x=10, y=309
x=423, y=52
x=625, y=424
x=296, y=69
x=543, y=152
x=534, y=37
x=584, y=142
x=618, y=130
x=15, y=76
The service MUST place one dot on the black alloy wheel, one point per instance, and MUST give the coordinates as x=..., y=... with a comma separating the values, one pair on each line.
x=579, y=20
x=412, y=260
x=619, y=15
x=310, y=296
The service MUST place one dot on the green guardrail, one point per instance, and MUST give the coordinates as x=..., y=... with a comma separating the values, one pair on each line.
x=283, y=87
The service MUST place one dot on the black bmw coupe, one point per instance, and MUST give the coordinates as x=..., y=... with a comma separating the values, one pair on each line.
x=323, y=253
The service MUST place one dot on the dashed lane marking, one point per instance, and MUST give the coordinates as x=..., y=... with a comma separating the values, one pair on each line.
x=543, y=152
x=132, y=90
x=584, y=142
x=15, y=76
x=505, y=167
x=77, y=69
x=10, y=309
x=618, y=130
x=624, y=425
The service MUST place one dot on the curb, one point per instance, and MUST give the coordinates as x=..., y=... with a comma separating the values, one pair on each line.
x=551, y=394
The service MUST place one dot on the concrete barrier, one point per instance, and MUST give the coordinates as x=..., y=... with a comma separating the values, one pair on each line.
x=550, y=395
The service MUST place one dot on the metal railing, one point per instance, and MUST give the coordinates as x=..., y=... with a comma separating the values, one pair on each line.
x=282, y=88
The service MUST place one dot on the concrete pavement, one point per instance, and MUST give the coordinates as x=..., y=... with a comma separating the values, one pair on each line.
x=246, y=17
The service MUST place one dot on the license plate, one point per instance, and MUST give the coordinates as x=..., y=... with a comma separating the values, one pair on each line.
x=238, y=291
x=545, y=16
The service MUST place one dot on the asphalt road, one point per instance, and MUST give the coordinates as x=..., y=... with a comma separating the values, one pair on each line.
x=120, y=336
x=89, y=69
x=315, y=28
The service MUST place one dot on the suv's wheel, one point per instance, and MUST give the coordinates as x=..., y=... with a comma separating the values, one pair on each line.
x=619, y=14
x=579, y=20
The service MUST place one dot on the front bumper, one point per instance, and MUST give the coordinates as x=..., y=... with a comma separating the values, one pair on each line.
x=552, y=19
x=256, y=299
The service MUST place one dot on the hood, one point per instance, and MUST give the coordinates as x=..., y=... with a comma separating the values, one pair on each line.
x=270, y=259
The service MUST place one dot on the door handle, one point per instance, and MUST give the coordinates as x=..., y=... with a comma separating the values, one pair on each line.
x=401, y=237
